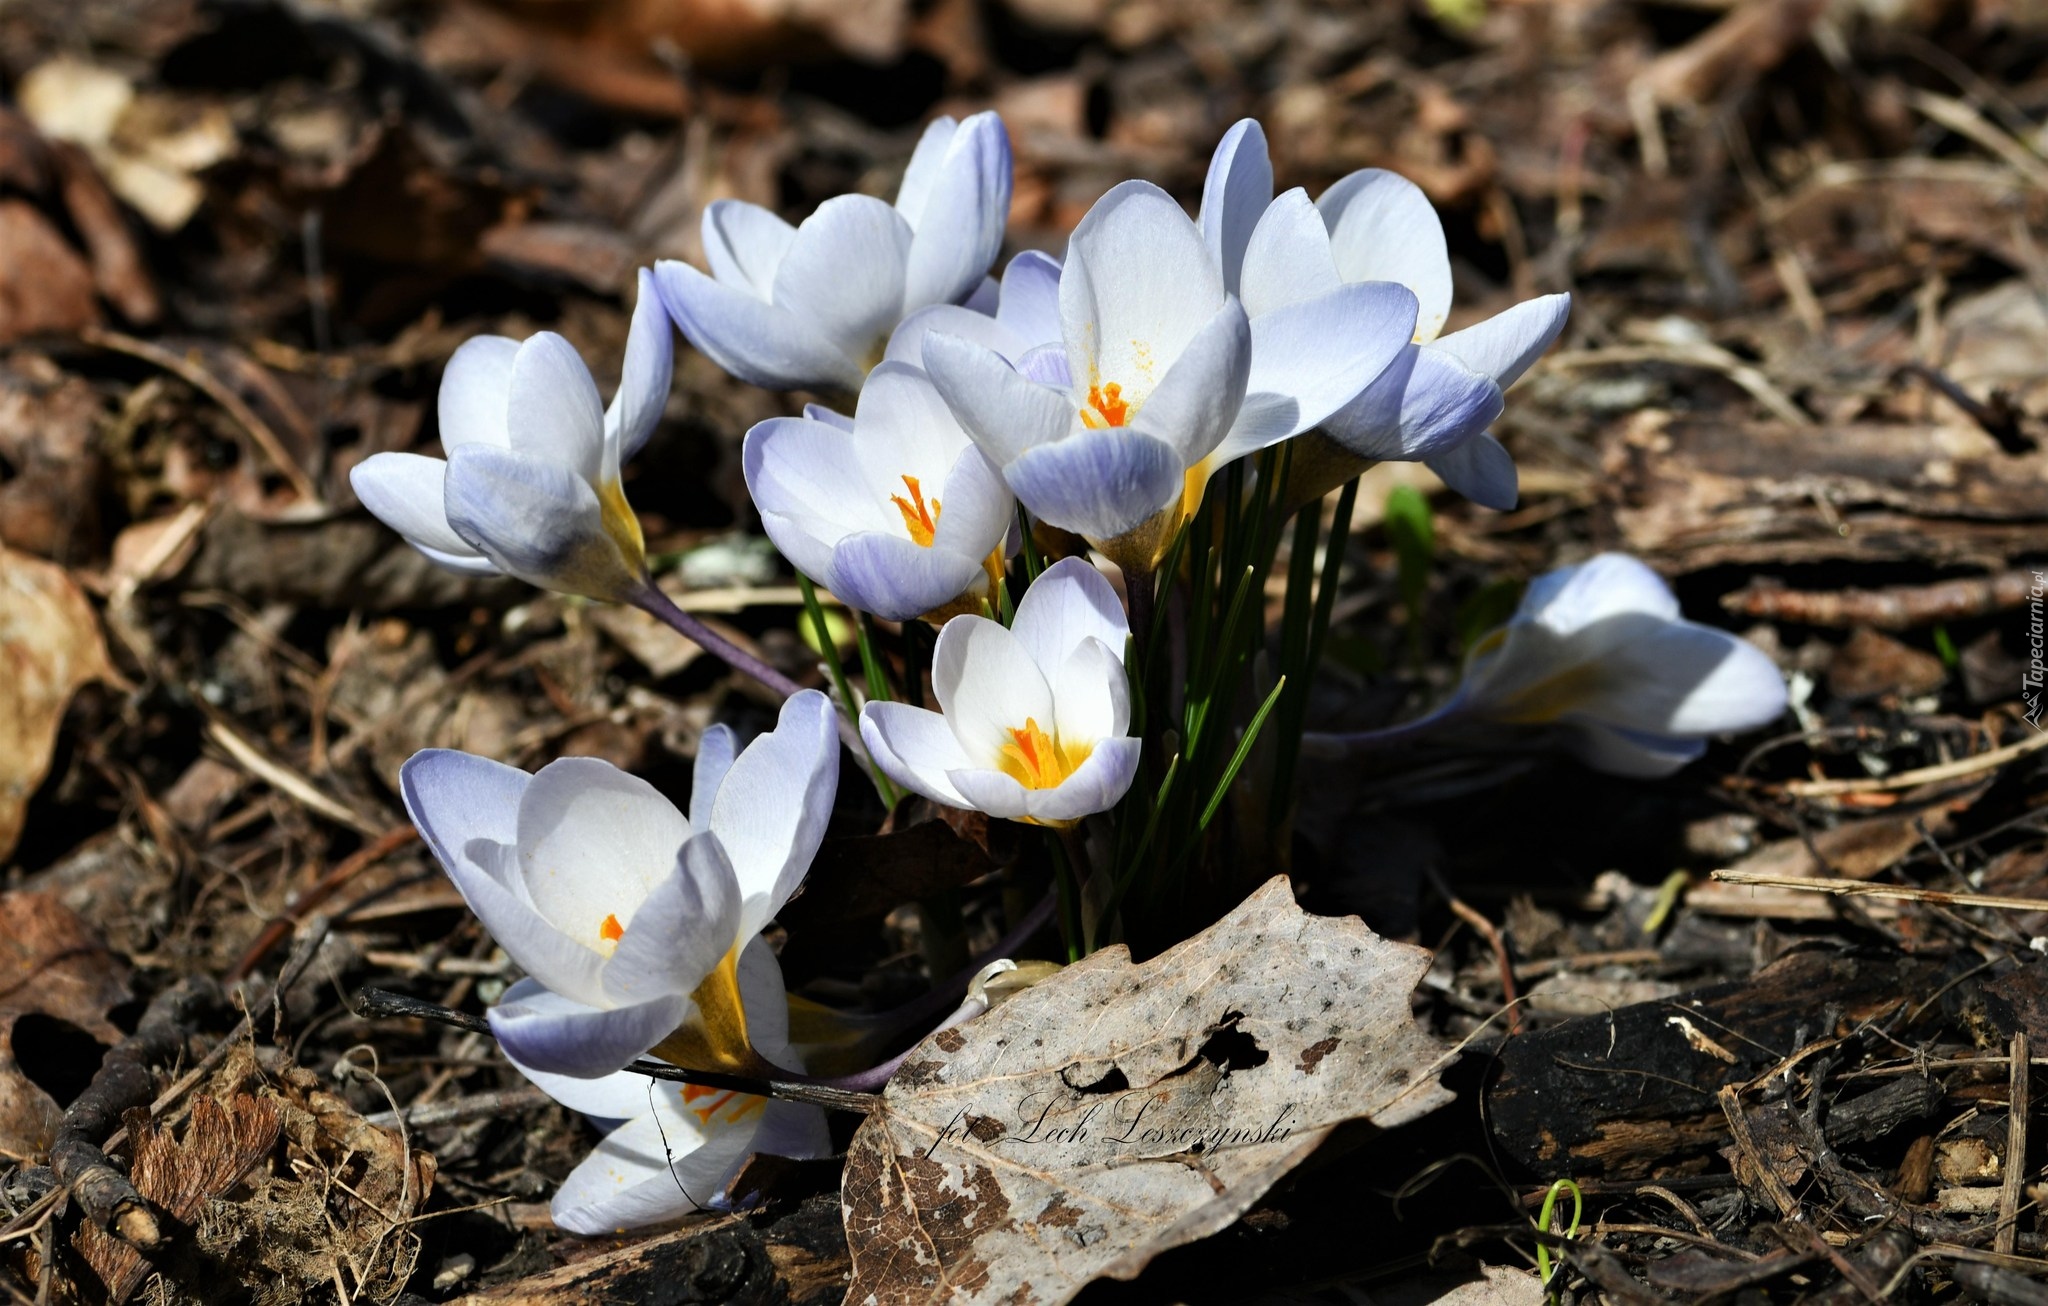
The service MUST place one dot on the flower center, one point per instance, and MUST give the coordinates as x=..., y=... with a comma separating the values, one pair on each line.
x=1037, y=760
x=921, y=519
x=1106, y=407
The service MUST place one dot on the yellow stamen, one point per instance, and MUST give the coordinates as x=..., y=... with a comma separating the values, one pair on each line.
x=611, y=931
x=1106, y=407
x=920, y=520
x=1040, y=761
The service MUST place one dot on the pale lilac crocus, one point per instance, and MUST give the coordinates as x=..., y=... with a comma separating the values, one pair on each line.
x=896, y=512
x=628, y=917
x=1034, y=720
x=812, y=306
x=1434, y=403
x=1597, y=660
x=530, y=487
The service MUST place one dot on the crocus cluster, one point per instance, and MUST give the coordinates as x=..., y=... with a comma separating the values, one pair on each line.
x=1094, y=394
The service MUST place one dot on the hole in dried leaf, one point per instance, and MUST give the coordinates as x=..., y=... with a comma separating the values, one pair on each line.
x=1231, y=1048
x=1115, y=1081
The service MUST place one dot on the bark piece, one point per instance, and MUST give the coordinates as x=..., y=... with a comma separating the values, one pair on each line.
x=1117, y=1110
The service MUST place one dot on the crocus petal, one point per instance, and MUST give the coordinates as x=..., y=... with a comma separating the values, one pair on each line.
x=959, y=226
x=1631, y=753
x=987, y=686
x=594, y=842
x=1235, y=193
x=1482, y=471
x=464, y=563
x=618, y=1096
x=454, y=797
x=811, y=488
x=681, y=931
x=992, y=793
x=744, y=244
x=716, y=749
x=1091, y=694
x=1095, y=786
x=766, y=1002
x=405, y=492
x=658, y=1166
x=489, y=879
x=1069, y=604
x=1047, y=365
x=644, y=380
x=1686, y=679
x=1383, y=228
x=1504, y=345
x=1310, y=358
x=474, y=388
x=1202, y=393
x=1288, y=259
x=906, y=342
x=549, y=1032
x=1002, y=412
x=793, y=1129
x=1098, y=484
x=979, y=511
x=538, y=521
x=893, y=578
x=1138, y=285
x=1030, y=302
x=1425, y=404
x=552, y=409
x=772, y=808
x=758, y=342
x=913, y=747
x=927, y=161
x=844, y=272
x=1571, y=599
x=829, y=416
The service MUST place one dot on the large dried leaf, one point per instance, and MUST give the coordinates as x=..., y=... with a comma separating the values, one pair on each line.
x=49, y=645
x=57, y=984
x=1117, y=1110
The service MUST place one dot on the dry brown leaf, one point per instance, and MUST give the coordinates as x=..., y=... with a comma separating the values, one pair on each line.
x=53, y=968
x=45, y=287
x=1118, y=1110
x=223, y=1140
x=49, y=645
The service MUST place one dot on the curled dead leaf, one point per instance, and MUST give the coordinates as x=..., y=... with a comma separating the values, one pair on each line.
x=1118, y=1110
x=50, y=645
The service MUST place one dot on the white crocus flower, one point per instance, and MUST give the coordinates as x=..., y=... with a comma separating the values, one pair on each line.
x=1598, y=659
x=530, y=487
x=1034, y=719
x=1434, y=403
x=680, y=1145
x=1166, y=378
x=629, y=918
x=813, y=305
x=899, y=515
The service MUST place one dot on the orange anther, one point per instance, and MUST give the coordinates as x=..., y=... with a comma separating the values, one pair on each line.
x=920, y=519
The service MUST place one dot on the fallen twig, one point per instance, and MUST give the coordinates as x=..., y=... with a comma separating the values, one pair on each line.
x=1900, y=607
x=1864, y=889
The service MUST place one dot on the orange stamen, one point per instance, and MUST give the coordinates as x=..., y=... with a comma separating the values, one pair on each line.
x=1037, y=760
x=1106, y=407
x=611, y=931
x=920, y=519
